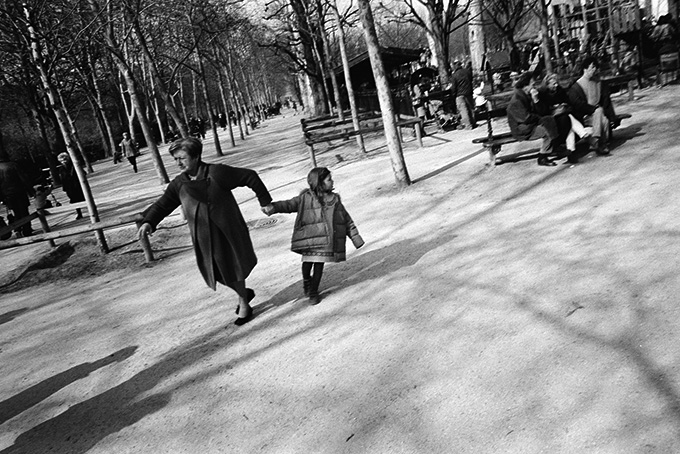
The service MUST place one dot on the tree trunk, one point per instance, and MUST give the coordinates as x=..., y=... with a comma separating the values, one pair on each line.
x=131, y=83
x=327, y=63
x=225, y=105
x=348, y=79
x=235, y=92
x=384, y=95
x=545, y=36
x=157, y=82
x=476, y=35
x=439, y=50
x=181, y=98
x=74, y=134
x=55, y=101
x=47, y=148
x=208, y=104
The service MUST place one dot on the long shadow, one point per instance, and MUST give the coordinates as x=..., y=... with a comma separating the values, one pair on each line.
x=11, y=315
x=448, y=166
x=375, y=264
x=21, y=402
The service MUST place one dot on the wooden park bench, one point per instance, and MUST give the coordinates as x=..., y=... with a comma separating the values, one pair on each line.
x=622, y=79
x=494, y=142
x=326, y=129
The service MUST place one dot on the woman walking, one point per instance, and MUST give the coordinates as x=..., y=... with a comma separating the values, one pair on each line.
x=224, y=251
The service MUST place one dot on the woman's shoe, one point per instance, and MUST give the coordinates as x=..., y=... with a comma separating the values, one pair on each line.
x=243, y=320
x=250, y=294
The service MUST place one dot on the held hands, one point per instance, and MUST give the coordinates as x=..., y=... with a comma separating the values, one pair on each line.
x=145, y=229
x=268, y=209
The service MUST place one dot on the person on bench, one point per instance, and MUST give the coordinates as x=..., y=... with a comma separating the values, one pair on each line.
x=554, y=100
x=526, y=123
x=592, y=105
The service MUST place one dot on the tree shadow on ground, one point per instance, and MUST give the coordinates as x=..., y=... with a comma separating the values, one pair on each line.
x=627, y=346
x=11, y=315
x=375, y=264
x=448, y=166
x=26, y=399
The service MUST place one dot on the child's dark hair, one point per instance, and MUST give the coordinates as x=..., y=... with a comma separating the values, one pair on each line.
x=315, y=179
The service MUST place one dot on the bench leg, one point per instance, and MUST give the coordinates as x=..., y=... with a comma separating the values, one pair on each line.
x=631, y=97
x=311, y=155
x=45, y=227
x=419, y=134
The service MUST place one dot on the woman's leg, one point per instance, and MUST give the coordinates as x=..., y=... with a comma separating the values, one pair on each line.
x=578, y=128
x=244, y=311
x=570, y=141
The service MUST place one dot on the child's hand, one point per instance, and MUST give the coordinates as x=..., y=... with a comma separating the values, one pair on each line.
x=358, y=241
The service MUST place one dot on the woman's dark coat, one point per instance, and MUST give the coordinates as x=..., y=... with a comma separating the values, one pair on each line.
x=224, y=251
x=70, y=184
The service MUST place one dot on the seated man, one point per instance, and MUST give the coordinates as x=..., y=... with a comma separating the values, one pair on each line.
x=524, y=121
x=592, y=106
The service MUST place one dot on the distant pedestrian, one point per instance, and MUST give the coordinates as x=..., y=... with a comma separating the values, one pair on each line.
x=15, y=190
x=70, y=183
x=462, y=89
x=321, y=227
x=129, y=149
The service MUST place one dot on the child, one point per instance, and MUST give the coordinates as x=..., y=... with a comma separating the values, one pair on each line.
x=320, y=229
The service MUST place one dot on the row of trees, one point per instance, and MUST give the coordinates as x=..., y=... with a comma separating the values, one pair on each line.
x=152, y=64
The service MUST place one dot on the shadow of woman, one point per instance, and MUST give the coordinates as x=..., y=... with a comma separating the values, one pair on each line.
x=21, y=402
x=11, y=315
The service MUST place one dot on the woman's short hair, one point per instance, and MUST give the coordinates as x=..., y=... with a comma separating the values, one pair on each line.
x=191, y=145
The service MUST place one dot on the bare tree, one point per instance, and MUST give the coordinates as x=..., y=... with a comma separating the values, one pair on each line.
x=384, y=95
x=106, y=20
x=439, y=19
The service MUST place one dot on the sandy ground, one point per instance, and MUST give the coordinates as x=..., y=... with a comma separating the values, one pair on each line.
x=515, y=309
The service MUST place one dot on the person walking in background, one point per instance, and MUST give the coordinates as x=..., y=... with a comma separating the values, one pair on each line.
x=224, y=251
x=70, y=183
x=321, y=227
x=129, y=149
x=15, y=190
x=462, y=89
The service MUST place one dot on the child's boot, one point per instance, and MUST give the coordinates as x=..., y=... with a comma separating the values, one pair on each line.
x=314, y=297
x=306, y=285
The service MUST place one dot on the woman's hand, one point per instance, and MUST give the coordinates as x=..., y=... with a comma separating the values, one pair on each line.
x=145, y=230
x=268, y=209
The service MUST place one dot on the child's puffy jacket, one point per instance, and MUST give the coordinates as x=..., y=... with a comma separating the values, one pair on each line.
x=310, y=231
